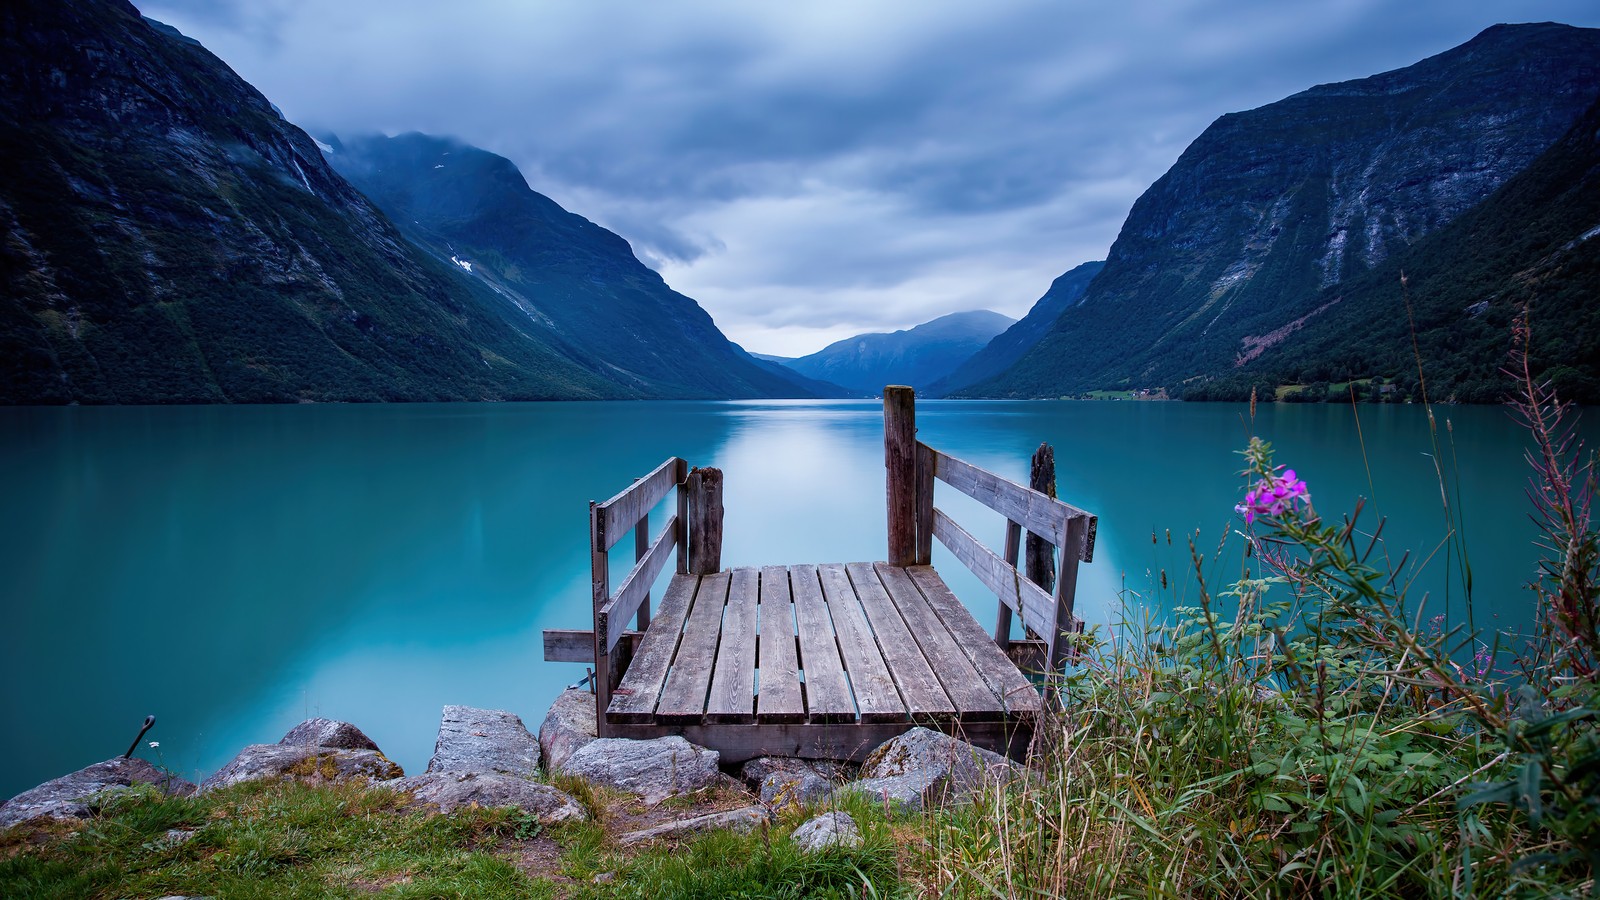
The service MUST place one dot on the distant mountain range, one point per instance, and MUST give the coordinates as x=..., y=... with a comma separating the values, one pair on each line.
x=1276, y=220
x=916, y=356
x=170, y=238
x=472, y=209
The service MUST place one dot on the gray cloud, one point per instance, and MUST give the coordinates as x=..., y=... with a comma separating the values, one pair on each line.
x=808, y=171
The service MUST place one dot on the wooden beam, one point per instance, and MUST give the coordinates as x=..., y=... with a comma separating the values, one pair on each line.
x=1041, y=567
x=619, y=514
x=1065, y=598
x=641, y=546
x=704, y=487
x=925, y=465
x=606, y=670
x=681, y=474
x=1002, y=620
x=612, y=618
x=636, y=697
x=900, y=472
x=573, y=645
x=1024, y=597
x=738, y=743
x=1040, y=514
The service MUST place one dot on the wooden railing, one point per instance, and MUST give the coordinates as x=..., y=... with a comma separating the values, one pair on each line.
x=914, y=522
x=694, y=530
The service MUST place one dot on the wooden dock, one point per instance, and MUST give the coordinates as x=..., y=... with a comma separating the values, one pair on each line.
x=830, y=660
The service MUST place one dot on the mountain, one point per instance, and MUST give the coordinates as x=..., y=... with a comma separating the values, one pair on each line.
x=1240, y=241
x=1010, y=345
x=165, y=236
x=472, y=209
x=1533, y=245
x=917, y=356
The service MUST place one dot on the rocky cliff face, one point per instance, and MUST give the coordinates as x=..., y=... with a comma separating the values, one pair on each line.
x=1269, y=208
x=473, y=210
x=169, y=238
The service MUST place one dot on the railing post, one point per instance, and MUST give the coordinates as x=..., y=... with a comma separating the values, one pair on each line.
x=681, y=477
x=1067, y=590
x=900, y=472
x=704, y=487
x=925, y=470
x=1040, y=554
x=641, y=543
x=600, y=583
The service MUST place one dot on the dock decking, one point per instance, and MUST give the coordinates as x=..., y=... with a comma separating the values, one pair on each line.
x=828, y=660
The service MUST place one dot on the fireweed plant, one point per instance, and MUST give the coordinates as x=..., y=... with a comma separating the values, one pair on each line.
x=1309, y=730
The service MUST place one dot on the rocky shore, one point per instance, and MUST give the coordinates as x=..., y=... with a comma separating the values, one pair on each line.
x=488, y=758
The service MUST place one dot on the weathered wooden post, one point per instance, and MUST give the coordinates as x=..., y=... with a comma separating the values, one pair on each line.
x=607, y=667
x=1040, y=554
x=704, y=487
x=900, y=472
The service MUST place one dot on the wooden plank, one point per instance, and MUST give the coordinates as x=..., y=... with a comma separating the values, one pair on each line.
x=827, y=694
x=925, y=465
x=738, y=743
x=1041, y=567
x=925, y=698
x=683, y=697
x=877, y=700
x=1065, y=597
x=971, y=695
x=777, y=656
x=572, y=645
x=606, y=670
x=1020, y=696
x=733, y=679
x=612, y=618
x=618, y=515
x=704, y=487
x=1002, y=621
x=641, y=546
x=1042, y=515
x=900, y=471
x=636, y=697
x=682, y=470
x=1024, y=597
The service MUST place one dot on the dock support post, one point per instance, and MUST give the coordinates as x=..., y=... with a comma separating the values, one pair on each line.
x=1040, y=554
x=900, y=472
x=704, y=487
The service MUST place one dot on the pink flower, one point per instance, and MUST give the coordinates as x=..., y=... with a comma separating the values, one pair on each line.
x=1273, y=495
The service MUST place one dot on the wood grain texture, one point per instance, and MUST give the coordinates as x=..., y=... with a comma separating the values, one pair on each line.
x=925, y=697
x=1024, y=597
x=1040, y=555
x=733, y=679
x=969, y=693
x=683, y=697
x=900, y=471
x=827, y=693
x=877, y=700
x=738, y=743
x=777, y=655
x=704, y=487
x=1009, y=684
x=640, y=690
x=614, y=613
x=619, y=514
x=572, y=645
x=924, y=523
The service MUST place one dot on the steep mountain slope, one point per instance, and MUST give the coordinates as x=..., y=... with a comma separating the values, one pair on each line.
x=167, y=237
x=474, y=209
x=1268, y=208
x=1534, y=245
x=1010, y=345
x=916, y=356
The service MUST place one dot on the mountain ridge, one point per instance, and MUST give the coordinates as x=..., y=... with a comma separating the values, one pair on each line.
x=917, y=356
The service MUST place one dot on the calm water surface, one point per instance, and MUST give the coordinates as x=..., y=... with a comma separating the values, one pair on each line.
x=234, y=570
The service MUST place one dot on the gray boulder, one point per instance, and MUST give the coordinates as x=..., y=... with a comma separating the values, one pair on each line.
x=655, y=769
x=482, y=741
x=317, y=764
x=782, y=790
x=320, y=732
x=745, y=819
x=73, y=796
x=567, y=726
x=450, y=790
x=834, y=829
x=924, y=768
x=756, y=770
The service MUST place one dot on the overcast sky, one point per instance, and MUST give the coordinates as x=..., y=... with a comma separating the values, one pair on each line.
x=811, y=170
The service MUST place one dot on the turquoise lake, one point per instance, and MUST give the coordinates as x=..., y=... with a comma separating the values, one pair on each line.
x=234, y=570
